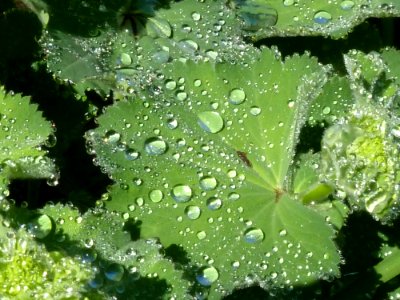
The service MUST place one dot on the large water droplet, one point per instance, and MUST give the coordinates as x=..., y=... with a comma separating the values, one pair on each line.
x=155, y=146
x=112, y=137
x=157, y=27
x=41, y=226
x=210, y=121
x=253, y=235
x=236, y=96
x=257, y=16
x=208, y=183
x=322, y=17
x=182, y=193
x=207, y=276
x=114, y=272
x=131, y=154
x=170, y=85
x=255, y=110
x=156, y=195
x=193, y=212
x=126, y=59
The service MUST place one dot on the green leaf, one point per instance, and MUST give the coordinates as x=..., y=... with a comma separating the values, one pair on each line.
x=126, y=268
x=23, y=132
x=262, y=19
x=360, y=153
x=204, y=165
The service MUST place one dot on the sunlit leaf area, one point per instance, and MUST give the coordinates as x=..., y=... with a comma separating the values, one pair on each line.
x=199, y=149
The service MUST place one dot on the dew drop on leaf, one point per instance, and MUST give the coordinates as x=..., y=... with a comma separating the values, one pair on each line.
x=288, y=2
x=41, y=226
x=208, y=183
x=112, y=137
x=156, y=195
x=255, y=110
x=182, y=193
x=253, y=235
x=170, y=85
x=207, y=276
x=131, y=154
x=201, y=235
x=214, y=203
x=196, y=16
x=210, y=121
x=114, y=272
x=172, y=123
x=233, y=196
x=347, y=5
x=322, y=17
x=236, y=96
x=193, y=212
x=155, y=146
x=181, y=96
x=126, y=59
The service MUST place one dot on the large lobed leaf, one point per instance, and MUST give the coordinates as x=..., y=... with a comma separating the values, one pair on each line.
x=204, y=164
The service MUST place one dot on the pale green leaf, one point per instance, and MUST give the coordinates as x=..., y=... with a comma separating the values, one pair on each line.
x=204, y=164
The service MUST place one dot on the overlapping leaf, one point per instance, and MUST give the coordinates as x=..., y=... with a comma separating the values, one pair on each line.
x=23, y=132
x=293, y=18
x=203, y=164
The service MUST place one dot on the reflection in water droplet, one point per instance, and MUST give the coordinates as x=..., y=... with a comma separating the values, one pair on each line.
x=156, y=195
x=172, y=123
x=210, y=121
x=207, y=276
x=114, y=272
x=208, y=183
x=236, y=96
x=214, y=203
x=255, y=110
x=253, y=235
x=196, y=16
x=233, y=196
x=193, y=212
x=155, y=146
x=322, y=17
x=181, y=193
x=346, y=5
x=181, y=96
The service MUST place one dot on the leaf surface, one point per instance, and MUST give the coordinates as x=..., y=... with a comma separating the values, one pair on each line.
x=204, y=165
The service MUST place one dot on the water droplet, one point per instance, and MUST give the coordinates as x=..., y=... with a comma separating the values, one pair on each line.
x=155, y=146
x=210, y=121
x=207, y=276
x=236, y=96
x=236, y=264
x=170, y=85
x=157, y=27
x=112, y=137
x=181, y=96
x=346, y=5
x=193, y=212
x=126, y=59
x=283, y=232
x=139, y=201
x=256, y=16
x=233, y=196
x=322, y=17
x=255, y=110
x=172, y=123
x=201, y=235
x=253, y=235
x=89, y=256
x=288, y=2
x=156, y=195
x=114, y=272
x=196, y=16
x=182, y=193
x=197, y=83
x=40, y=227
x=208, y=183
x=131, y=154
x=326, y=110
x=214, y=203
